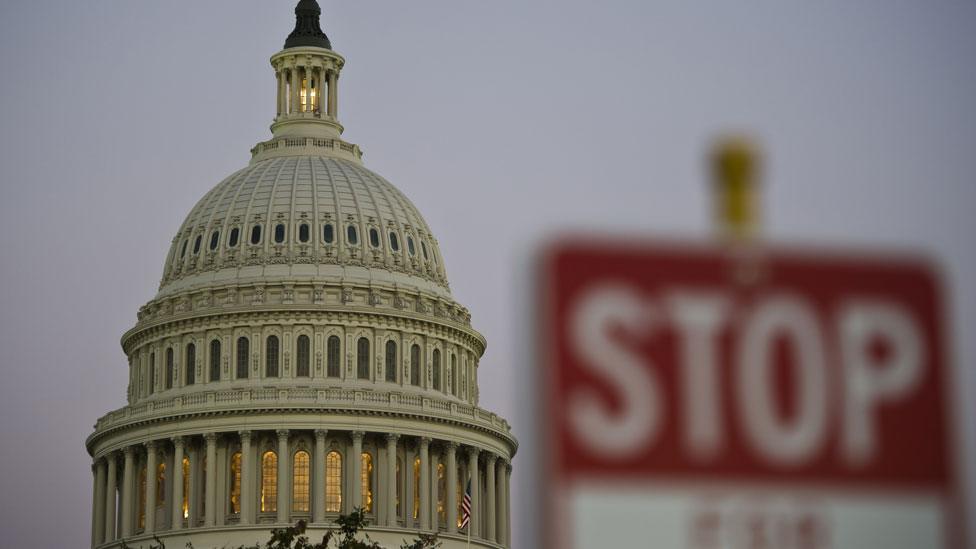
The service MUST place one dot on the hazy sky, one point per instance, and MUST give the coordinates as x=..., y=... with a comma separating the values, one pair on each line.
x=503, y=121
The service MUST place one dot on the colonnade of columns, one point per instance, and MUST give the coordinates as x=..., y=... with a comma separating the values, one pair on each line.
x=223, y=479
x=296, y=82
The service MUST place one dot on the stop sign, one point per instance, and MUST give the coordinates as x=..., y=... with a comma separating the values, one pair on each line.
x=704, y=397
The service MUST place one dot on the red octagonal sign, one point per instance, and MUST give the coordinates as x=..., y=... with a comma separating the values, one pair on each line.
x=745, y=398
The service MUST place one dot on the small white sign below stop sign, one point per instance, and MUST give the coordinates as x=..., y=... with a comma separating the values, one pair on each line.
x=704, y=398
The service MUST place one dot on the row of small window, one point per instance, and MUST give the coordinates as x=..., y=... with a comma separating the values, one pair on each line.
x=303, y=362
x=300, y=485
x=304, y=236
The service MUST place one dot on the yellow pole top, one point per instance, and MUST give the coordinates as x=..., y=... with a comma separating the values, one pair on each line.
x=735, y=163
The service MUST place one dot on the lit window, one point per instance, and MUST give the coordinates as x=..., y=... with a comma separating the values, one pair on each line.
x=271, y=357
x=300, y=476
x=269, y=482
x=214, y=240
x=415, y=365
x=333, y=482
x=328, y=234
x=391, y=361
x=243, y=349
x=436, y=372
x=196, y=244
x=374, y=238
x=235, y=483
x=302, y=368
x=394, y=242
x=416, y=488
x=333, y=358
x=362, y=358
x=367, y=482
x=279, y=233
x=303, y=233
x=441, y=493
x=191, y=364
x=215, y=360
x=256, y=234
x=235, y=235
x=169, y=368
x=160, y=485
x=186, y=488
x=351, y=235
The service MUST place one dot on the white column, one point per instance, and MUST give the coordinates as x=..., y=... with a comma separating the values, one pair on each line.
x=425, y=483
x=177, y=504
x=284, y=479
x=98, y=506
x=391, y=479
x=247, y=494
x=127, y=486
x=500, y=516
x=211, y=488
x=475, y=489
x=450, y=469
x=333, y=94
x=356, y=494
x=318, y=478
x=490, y=503
x=150, y=487
x=296, y=84
x=280, y=75
x=508, y=504
x=110, y=497
x=321, y=89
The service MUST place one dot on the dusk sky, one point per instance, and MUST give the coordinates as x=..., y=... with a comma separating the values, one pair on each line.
x=505, y=122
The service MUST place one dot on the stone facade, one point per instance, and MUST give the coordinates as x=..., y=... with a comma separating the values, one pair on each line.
x=303, y=357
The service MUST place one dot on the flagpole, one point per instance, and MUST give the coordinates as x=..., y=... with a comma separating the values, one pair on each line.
x=469, y=534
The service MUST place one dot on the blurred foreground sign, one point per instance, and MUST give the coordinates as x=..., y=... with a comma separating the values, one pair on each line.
x=719, y=398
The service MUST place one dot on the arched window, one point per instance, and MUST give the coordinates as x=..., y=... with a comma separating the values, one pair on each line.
x=410, y=246
x=416, y=488
x=160, y=484
x=352, y=235
x=391, y=361
x=399, y=486
x=256, y=234
x=436, y=372
x=243, y=350
x=303, y=233
x=394, y=242
x=300, y=477
x=333, y=482
x=214, y=240
x=235, y=235
x=279, y=235
x=441, y=493
x=302, y=352
x=183, y=248
x=362, y=358
x=152, y=372
x=415, y=365
x=142, y=496
x=196, y=244
x=333, y=357
x=374, y=238
x=454, y=374
x=423, y=247
x=191, y=364
x=271, y=357
x=269, y=482
x=186, y=488
x=235, y=483
x=367, y=482
x=215, y=360
x=328, y=233
x=169, y=368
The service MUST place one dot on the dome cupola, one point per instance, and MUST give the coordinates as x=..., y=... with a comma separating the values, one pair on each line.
x=307, y=31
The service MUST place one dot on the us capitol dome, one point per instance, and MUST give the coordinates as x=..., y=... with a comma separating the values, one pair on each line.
x=303, y=356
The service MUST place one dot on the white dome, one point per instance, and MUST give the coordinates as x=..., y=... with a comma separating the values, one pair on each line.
x=307, y=218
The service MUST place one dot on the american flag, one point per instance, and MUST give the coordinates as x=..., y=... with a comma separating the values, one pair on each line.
x=466, y=506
